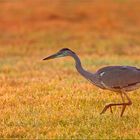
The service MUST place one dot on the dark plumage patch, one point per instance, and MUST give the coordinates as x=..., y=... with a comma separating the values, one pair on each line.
x=66, y=49
x=132, y=84
x=117, y=87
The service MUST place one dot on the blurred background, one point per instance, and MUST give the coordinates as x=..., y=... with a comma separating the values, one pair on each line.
x=49, y=99
x=93, y=25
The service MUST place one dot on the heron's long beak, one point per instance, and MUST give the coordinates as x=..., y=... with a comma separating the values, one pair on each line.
x=53, y=56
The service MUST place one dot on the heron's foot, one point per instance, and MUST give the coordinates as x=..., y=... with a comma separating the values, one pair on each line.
x=105, y=109
x=111, y=110
x=110, y=106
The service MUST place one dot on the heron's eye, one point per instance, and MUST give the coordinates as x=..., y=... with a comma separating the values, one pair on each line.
x=65, y=53
x=62, y=54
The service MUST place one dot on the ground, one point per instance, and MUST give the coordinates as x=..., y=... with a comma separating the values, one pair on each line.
x=49, y=99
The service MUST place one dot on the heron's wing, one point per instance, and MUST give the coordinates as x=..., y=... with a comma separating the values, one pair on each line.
x=119, y=76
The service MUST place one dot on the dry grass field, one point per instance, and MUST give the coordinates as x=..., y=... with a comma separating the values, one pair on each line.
x=49, y=99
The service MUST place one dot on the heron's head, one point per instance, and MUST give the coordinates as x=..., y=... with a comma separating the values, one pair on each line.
x=62, y=53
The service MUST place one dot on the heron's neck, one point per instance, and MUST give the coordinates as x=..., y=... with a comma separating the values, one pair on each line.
x=79, y=67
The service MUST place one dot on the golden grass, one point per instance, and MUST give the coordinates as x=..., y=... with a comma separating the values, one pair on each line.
x=50, y=99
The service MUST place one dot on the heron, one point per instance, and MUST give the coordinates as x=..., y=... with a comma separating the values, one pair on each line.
x=119, y=79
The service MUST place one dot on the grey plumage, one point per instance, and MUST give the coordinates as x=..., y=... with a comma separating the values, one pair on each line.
x=121, y=79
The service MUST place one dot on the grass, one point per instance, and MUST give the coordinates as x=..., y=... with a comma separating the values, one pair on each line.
x=49, y=99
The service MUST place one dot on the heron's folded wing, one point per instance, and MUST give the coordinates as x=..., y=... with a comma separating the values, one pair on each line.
x=120, y=76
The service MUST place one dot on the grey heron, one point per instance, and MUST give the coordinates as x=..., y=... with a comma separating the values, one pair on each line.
x=120, y=79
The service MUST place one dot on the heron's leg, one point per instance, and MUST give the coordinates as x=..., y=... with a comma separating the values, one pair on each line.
x=122, y=97
x=119, y=104
x=122, y=100
x=110, y=105
x=125, y=104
